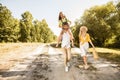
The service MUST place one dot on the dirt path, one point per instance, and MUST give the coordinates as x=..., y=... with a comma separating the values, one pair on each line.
x=47, y=64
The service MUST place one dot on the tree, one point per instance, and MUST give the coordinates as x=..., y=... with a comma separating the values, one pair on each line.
x=26, y=27
x=116, y=19
x=7, y=25
x=98, y=19
x=43, y=32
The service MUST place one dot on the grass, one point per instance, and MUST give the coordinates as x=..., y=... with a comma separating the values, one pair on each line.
x=109, y=54
x=112, y=55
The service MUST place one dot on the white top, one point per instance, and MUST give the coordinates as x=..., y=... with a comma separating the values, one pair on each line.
x=65, y=40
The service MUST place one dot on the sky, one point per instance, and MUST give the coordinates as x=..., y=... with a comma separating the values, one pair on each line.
x=49, y=9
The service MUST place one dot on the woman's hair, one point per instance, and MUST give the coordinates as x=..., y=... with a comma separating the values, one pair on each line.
x=83, y=28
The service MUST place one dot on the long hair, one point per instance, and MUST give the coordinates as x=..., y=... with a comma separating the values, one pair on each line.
x=81, y=29
x=59, y=18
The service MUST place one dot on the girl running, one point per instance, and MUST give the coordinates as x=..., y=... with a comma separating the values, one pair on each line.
x=66, y=46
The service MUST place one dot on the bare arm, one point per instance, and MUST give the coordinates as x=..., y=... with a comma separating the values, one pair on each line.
x=92, y=44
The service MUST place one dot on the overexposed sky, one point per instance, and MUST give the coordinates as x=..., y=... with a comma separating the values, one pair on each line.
x=49, y=9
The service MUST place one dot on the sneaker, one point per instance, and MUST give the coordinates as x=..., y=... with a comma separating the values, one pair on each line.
x=80, y=66
x=86, y=66
x=66, y=69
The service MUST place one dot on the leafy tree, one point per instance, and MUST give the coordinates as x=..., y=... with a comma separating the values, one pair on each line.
x=45, y=32
x=7, y=25
x=116, y=19
x=101, y=22
x=16, y=30
x=26, y=27
x=37, y=30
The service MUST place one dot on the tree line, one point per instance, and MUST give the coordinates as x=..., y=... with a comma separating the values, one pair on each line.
x=23, y=30
x=103, y=24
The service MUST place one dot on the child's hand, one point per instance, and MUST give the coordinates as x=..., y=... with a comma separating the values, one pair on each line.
x=72, y=45
x=56, y=45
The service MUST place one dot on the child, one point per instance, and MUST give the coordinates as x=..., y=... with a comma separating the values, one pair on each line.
x=84, y=38
x=62, y=21
x=66, y=45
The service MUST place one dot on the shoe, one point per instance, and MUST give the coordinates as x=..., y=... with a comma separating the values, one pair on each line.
x=80, y=66
x=66, y=69
x=86, y=66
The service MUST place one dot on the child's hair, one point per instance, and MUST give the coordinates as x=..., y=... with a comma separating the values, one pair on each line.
x=83, y=28
x=59, y=18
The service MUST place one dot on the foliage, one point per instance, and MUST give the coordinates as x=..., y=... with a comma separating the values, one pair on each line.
x=43, y=32
x=102, y=22
x=9, y=26
x=23, y=30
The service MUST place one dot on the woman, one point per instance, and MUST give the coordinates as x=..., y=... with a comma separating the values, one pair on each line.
x=65, y=44
x=84, y=40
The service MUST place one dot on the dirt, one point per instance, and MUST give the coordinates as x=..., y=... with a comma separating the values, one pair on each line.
x=44, y=62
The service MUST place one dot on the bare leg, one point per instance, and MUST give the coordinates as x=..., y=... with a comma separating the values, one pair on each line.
x=65, y=57
x=65, y=60
x=68, y=54
x=85, y=60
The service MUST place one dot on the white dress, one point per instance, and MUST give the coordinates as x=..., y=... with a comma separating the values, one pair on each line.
x=65, y=40
x=84, y=49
